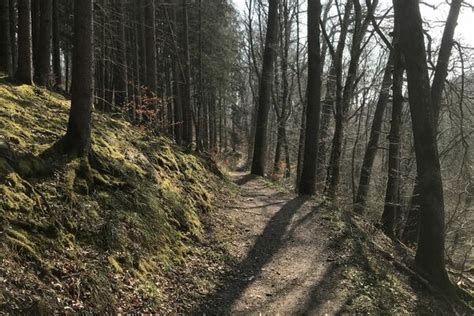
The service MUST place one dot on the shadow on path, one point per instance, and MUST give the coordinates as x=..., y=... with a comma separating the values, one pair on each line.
x=266, y=245
x=244, y=179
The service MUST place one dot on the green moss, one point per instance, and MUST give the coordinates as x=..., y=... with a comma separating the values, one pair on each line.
x=115, y=264
x=141, y=200
x=5, y=167
x=31, y=166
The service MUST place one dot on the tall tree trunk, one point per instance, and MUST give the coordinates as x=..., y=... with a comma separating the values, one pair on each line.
x=13, y=32
x=121, y=66
x=282, y=117
x=77, y=140
x=24, y=72
x=44, y=51
x=35, y=31
x=372, y=146
x=410, y=233
x=260, y=144
x=5, y=39
x=313, y=108
x=150, y=49
x=67, y=65
x=430, y=252
x=392, y=195
x=187, y=109
x=56, y=48
x=177, y=105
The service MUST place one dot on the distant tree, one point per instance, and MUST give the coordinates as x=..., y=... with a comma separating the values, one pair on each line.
x=266, y=79
x=121, y=67
x=43, y=72
x=307, y=183
x=24, y=71
x=150, y=46
x=78, y=135
x=35, y=34
x=56, y=45
x=13, y=32
x=186, y=98
x=334, y=88
x=5, y=39
x=375, y=131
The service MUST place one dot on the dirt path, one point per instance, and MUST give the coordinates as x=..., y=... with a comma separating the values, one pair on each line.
x=285, y=264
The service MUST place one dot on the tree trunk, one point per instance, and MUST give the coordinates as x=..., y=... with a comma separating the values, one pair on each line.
x=150, y=49
x=392, y=195
x=313, y=109
x=56, y=48
x=44, y=51
x=13, y=32
x=121, y=67
x=77, y=140
x=372, y=146
x=177, y=105
x=187, y=109
x=35, y=31
x=430, y=252
x=24, y=72
x=282, y=117
x=260, y=144
x=5, y=39
x=410, y=233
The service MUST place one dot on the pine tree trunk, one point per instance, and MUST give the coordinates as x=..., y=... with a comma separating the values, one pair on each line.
x=121, y=66
x=35, y=31
x=24, y=72
x=44, y=50
x=177, y=105
x=5, y=39
x=78, y=136
x=13, y=32
x=56, y=48
x=150, y=49
x=187, y=109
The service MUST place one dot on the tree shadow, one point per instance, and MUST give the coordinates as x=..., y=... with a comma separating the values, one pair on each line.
x=267, y=244
x=245, y=179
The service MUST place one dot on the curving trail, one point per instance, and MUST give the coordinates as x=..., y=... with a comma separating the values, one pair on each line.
x=285, y=262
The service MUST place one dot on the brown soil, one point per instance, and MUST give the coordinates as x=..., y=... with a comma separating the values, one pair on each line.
x=285, y=254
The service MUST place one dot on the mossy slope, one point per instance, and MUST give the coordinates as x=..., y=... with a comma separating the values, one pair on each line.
x=72, y=243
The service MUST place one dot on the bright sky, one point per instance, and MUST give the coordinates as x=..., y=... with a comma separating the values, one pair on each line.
x=464, y=30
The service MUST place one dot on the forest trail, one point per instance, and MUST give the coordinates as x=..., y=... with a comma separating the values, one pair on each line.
x=285, y=263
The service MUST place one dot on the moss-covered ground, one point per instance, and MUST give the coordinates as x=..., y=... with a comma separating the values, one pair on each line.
x=76, y=238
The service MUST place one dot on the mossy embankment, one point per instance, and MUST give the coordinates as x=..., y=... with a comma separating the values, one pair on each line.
x=75, y=238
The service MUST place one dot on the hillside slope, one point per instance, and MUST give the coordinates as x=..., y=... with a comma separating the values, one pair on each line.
x=74, y=238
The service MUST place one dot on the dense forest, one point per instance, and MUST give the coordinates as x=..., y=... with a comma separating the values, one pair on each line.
x=165, y=155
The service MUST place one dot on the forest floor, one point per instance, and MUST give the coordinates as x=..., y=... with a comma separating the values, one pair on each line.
x=284, y=251
x=295, y=255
